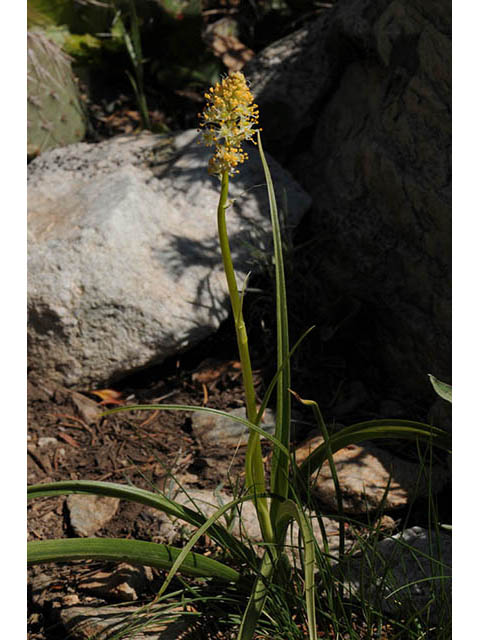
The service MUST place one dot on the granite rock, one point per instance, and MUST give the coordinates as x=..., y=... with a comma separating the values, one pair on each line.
x=357, y=104
x=124, y=265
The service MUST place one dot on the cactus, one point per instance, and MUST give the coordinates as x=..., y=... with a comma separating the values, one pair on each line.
x=54, y=112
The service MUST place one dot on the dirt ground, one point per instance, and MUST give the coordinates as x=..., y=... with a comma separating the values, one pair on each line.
x=141, y=448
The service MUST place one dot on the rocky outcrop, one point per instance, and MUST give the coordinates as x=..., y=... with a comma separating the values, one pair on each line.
x=367, y=89
x=124, y=265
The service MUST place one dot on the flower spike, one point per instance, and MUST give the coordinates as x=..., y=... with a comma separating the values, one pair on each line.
x=229, y=118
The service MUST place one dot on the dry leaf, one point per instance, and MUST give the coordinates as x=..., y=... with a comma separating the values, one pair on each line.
x=210, y=370
x=108, y=396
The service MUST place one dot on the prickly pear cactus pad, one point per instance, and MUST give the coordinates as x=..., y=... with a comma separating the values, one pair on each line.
x=55, y=116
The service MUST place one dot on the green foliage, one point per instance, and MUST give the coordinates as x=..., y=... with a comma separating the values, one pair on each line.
x=442, y=389
x=79, y=18
x=150, y=554
x=132, y=41
x=180, y=8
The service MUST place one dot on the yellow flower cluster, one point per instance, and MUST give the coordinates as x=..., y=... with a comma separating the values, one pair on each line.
x=230, y=117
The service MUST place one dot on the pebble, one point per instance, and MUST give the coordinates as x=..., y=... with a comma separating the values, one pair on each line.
x=89, y=513
x=47, y=441
x=123, y=584
x=213, y=429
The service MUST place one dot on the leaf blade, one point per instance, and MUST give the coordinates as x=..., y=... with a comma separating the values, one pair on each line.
x=139, y=552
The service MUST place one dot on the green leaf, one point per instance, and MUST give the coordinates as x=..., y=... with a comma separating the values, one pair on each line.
x=257, y=598
x=149, y=554
x=281, y=460
x=442, y=389
x=157, y=501
x=288, y=511
x=203, y=529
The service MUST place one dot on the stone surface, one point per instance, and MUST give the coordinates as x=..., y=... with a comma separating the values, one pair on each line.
x=124, y=265
x=214, y=429
x=85, y=623
x=245, y=523
x=47, y=442
x=364, y=473
x=89, y=513
x=366, y=88
x=418, y=560
x=123, y=584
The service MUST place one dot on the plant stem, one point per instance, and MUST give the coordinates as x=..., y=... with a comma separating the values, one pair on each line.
x=254, y=471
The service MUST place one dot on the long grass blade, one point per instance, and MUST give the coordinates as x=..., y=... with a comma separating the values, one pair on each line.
x=139, y=552
x=288, y=511
x=203, y=529
x=280, y=461
x=373, y=430
x=217, y=532
x=257, y=598
x=274, y=380
x=328, y=452
x=189, y=408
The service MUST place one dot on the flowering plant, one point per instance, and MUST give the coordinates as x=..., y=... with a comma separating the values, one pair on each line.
x=228, y=121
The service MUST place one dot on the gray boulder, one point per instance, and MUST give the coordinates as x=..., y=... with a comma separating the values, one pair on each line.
x=124, y=264
x=365, y=93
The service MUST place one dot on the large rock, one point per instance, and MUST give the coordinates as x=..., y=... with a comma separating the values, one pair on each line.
x=371, y=478
x=367, y=90
x=124, y=263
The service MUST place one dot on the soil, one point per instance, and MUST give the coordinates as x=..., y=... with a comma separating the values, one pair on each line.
x=141, y=448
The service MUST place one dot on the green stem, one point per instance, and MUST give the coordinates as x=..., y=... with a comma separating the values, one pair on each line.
x=254, y=471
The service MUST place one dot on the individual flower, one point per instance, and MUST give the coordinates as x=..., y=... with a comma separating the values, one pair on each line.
x=230, y=117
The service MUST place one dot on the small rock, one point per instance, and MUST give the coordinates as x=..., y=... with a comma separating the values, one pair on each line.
x=364, y=472
x=218, y=430
x=89, y=513
x=87, y=408
x=386, y=524
x=123, y=584
x=101, y=623
x=40, y=591
x=245, y=522
x=418, y=560
x=46, y=441
x=70, y=600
